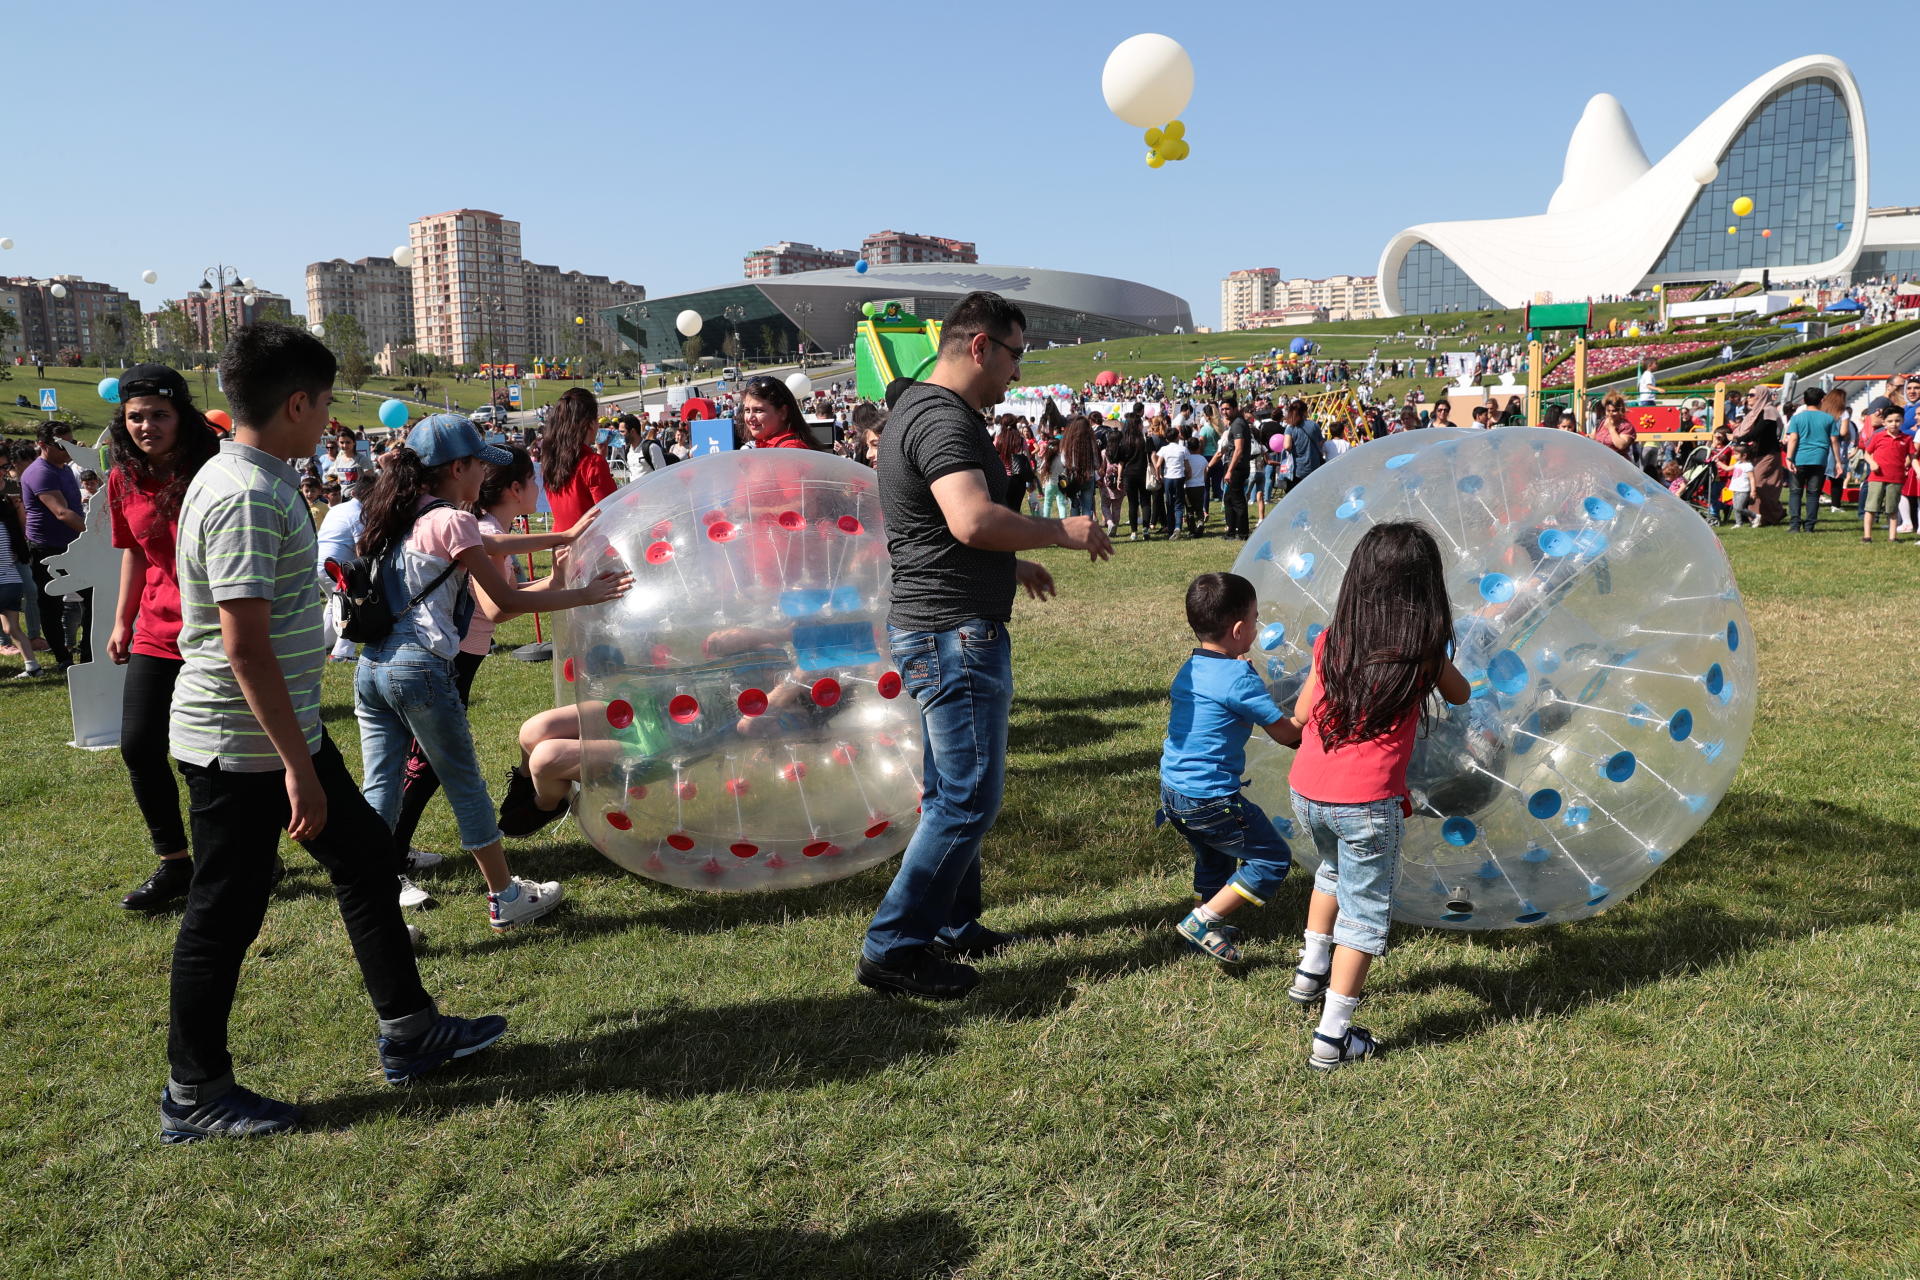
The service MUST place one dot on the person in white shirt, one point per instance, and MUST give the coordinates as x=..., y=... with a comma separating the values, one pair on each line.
x=1173, y=460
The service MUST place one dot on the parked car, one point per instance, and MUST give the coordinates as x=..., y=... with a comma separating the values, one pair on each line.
x=488, y=415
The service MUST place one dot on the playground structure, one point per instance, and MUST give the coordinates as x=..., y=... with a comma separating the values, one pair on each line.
x=892, y=343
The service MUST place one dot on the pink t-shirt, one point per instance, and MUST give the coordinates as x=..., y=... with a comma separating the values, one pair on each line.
x=1359, y=772
x=437, y=538
x=479, y=637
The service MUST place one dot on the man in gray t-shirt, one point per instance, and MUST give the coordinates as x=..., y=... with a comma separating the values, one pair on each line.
x=954, y=575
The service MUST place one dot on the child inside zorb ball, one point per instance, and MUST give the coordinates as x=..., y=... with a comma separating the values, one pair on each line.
x=739, y=723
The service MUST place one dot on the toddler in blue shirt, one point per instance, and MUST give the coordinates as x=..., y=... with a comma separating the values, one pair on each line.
x=1238, y=857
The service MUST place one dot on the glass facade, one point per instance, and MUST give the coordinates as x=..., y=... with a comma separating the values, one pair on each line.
x=1794, y=160
x=1429, y=280
x=1878, y=264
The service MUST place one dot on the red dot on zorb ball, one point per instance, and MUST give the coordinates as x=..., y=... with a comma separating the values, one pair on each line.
x=889, y=685
x=826, y=693
x=661, y=529
x=791, y=520
x=878, y=828
x=619, y=821
x=793, y=772
x=849, y=524
x=736, y=786
x=720, y=531
x=680, y=840
x=636, y=792
x=661, y=656
x=845, y=753
x=684, y=709
x=619, y=713
x=743, y=849
x=566, y=671
x=685, y=790
x=815, y=849
x=751, y=702
x=659, y=552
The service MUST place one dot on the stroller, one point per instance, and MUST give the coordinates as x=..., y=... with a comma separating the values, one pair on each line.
x=1699, y=484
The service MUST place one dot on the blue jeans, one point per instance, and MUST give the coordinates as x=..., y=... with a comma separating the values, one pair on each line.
x=1173, y=489
x=1234, y=844
x=963, y=681
x=1359, y=848
x=403, y=694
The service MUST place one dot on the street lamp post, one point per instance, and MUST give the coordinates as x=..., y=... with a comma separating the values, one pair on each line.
x=734, y=315
x=802, y=312
x=218, y=280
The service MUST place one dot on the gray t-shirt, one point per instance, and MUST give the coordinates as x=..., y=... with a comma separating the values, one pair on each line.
x=939, y=583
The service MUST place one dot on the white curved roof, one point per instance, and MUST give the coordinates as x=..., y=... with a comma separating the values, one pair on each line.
x=1613, y=214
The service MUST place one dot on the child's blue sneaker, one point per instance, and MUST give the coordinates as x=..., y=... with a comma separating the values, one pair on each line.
x=1307, y=987
x=237, y=1113
x=405, y=1061
x=1221, y=941
x=1329, y=1052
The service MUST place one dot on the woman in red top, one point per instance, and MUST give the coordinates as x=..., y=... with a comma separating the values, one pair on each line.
x=772, y=417
x=160, y=440
x=573, y=473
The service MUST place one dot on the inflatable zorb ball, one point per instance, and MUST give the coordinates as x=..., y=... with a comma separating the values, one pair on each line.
x=1610, y=659
x=741, y=721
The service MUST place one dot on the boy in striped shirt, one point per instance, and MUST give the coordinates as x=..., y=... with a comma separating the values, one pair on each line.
x=246, y=730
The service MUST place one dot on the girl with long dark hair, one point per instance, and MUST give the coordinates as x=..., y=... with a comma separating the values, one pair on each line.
x=1012, y=448
x=574, y=474
x=1130, y=452
x=14, y=581
x=160, y=440
x=1362, y=703
x=1080, y=459
x=772, y=417
x=405, y=690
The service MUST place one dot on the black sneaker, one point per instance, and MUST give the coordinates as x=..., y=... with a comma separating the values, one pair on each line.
x=917, y=971
x=520, y=811
x=987, y=943
x=167, y=885
x=237, y=1113
x=405, y=1061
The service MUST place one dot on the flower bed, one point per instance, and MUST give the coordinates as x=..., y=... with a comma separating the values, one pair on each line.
x=1607, y=362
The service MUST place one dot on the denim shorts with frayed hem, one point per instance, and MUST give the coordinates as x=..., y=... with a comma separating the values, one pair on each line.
x=1359, y=848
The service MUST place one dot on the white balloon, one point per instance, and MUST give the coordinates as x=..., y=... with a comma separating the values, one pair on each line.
x=150, y=276
x=317, y=330
x=688, y=322
x=800, y=384
x=6, y=242
x=1148, y=80
x=403, y=256
x=1706, y=173
x=58, y=291
x=246, y=282
x=249, y=300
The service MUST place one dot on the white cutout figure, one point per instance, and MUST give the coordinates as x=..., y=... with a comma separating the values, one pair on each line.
x=94, y=689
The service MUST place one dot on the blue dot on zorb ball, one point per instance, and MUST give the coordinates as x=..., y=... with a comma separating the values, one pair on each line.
x=1265, y=551
x=1314, y=632
x=1471, y=484
x=1629, y=494
x=1555, y=542
x=1716, y=679
x=1618, y=767
x=1544, y=803
x=1733, y=637
x=1302, y=520
x=1458, y=832
x=1356, y=503
x=1275, y=668
x=1496, y=588
x=1535, y=853
x=1507, y=673
x=1577, y=815
x=1597, y=893
x=1590, y=542
x=1299, y=565
x=1400, y=460
x=1272, y=636
x=1598, y=508
x=1680, y=728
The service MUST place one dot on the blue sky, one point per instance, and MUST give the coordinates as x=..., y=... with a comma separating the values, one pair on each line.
x=659, y=142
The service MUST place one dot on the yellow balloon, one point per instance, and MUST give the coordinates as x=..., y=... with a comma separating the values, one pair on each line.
x=1153, y=137
x=1155, y=159
x=1733, y=231
x=1175, y=129
x=1742, y=207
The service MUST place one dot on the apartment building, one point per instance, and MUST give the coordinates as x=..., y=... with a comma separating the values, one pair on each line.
x=377, y=292
x=884, y=247
x=563, y=310
x=791, y=256
x=1254, y=297
x=469, y=285
x=62, y=311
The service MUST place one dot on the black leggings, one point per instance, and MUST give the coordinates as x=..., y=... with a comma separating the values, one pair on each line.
x=1139, y=503
x=144, y=708
x=421, y=781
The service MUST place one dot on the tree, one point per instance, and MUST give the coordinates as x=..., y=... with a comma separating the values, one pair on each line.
x=730, y=347
x=348, y=342
x=178, y=337
x=690, y=350
x=770, y=339
x=135, y=324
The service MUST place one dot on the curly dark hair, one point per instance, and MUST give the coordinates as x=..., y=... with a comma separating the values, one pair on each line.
x=195, y=441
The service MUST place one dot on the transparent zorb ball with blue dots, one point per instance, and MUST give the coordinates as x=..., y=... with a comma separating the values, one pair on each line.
x=1598, y=623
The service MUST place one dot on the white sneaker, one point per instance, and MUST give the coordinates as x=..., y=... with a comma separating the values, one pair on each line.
x=31, y=673
x=412, y=896
x=421, y=860
x=535, y=900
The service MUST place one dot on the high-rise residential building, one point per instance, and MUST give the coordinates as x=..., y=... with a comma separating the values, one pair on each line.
x=13, y=338
x=218, y=315
x=469, y=286
x=1245, y=292
x=791, y=256
x=377, y=292
x=883, y=247
x=563, y=310
x=74, y=318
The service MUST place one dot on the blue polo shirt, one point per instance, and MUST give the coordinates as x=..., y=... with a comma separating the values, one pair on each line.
x=1815, y=431
x=1217, y=702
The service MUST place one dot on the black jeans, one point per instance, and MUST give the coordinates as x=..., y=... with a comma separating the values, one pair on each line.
x=237, y=821
x=421, y=782
x=53, y=608
x=145, y=706
x=1139, y=504
x=1233, y=504
x=1807, y=481
x=1196, y=497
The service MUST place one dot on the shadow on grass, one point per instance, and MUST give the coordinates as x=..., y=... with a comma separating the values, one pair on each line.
x=910, y=1246
x=1766, y=870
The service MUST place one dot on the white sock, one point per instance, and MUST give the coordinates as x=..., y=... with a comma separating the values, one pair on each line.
x=1317, y=955
x=1337, y=1016
x=1207, y=914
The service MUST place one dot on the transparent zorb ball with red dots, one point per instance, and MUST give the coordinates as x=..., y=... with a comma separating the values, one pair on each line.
x=742, y=725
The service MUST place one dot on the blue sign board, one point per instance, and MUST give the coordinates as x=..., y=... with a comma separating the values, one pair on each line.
x=712, y=435
x=49, y=399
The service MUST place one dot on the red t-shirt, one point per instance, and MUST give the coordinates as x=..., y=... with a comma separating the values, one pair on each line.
x=592, y=480
x=137, y=523
x=787, y=441
x=1359, y=772
x=1891, y=450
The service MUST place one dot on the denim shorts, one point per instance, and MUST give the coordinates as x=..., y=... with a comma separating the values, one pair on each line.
x=1359, y=848
x=12, y=595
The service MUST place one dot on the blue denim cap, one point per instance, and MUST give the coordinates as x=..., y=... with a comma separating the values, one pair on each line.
x=448, y=437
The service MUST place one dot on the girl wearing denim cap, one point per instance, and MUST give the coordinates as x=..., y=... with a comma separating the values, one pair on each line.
x=405, y=689
x=1365, y=697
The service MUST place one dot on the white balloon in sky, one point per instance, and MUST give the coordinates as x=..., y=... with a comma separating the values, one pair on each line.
x=1148, y=80
x=800, y=384
x=688, y=322
x=1706, y=173
x=150, y=276
x=6, y=242
x=403, y=256
x=58, y=291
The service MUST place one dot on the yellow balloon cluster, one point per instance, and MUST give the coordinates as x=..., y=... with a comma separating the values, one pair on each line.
x=1168, y=143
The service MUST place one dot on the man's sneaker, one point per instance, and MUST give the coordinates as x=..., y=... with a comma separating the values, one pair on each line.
x=412, y=896
x=167, y=885
x=986, y=944
x=1337, y=1051
x=421, y=860
x=1221, y=941
x=237, y=1113
x=1307, y=987
x=917, y=971
x=534, y=901
x=405, y=1061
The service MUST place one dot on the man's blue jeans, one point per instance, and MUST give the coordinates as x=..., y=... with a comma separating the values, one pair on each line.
x=963, y=681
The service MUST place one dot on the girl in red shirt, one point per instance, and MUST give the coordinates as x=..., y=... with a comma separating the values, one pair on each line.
x=1365, y=697
x=772, y=416
x=160, y=440
x=574, y=474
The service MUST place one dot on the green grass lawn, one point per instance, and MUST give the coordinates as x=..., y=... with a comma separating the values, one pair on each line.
x=1714, y=1078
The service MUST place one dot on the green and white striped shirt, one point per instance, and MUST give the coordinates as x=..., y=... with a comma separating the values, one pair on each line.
x=245, y=534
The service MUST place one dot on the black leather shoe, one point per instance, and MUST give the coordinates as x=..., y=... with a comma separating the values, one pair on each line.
x=166, y=886
x=986, y=944
x=917, y=971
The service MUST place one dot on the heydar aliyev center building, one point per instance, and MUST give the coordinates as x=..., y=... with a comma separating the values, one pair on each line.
x=1794, y=142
